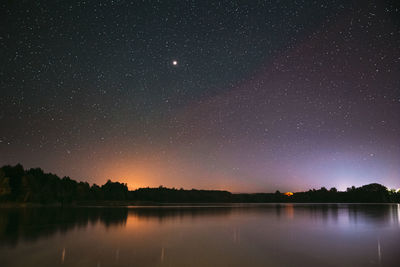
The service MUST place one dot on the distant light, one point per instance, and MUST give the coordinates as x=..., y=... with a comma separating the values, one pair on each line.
x=175, y=62
x=289, y=194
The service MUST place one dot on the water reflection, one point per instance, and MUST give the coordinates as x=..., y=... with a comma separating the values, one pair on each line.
x=163, y=213
x=33, y=223
x=63, y=256
x=225, y=235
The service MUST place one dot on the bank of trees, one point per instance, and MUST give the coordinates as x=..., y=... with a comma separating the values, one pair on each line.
x=33, y=185
x=36, y=186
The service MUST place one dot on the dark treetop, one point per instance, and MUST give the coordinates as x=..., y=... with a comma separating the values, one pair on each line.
x=19, y=185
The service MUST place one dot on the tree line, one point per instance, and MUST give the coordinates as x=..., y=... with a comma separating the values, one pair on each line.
x=36, y=186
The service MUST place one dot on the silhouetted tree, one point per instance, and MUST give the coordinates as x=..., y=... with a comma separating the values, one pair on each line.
x=333, y=190
x=14, y=175
x=114, y=191
x=33, y=185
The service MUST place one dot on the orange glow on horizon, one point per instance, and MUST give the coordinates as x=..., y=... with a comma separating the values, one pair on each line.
x=135, y=174
x=153, y=172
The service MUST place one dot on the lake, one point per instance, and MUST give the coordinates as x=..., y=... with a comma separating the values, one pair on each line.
x=201, y=235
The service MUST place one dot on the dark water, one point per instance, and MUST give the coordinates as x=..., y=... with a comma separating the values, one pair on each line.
x=240, y=235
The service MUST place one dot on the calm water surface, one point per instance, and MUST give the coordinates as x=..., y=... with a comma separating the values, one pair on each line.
x=220, y=235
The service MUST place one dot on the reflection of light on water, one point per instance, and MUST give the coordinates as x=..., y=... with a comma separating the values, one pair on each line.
x=236, y=235
x=379, y=251
x=398, y=213
x=289, y=211
x=117, y=255
x=162, y=255
x=395, y=214
x=63, y=256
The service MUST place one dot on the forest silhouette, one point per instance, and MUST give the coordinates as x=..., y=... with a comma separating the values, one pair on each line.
x=18, y=185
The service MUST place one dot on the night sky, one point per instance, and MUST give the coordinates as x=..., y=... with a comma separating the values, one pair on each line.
x=247, y=96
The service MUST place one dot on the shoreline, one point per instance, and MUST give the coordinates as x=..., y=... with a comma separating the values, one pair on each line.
x=176, y=204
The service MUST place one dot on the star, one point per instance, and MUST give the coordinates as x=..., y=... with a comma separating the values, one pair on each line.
x=175, y=62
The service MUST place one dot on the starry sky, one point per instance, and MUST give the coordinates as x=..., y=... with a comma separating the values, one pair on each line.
x=247, y=96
